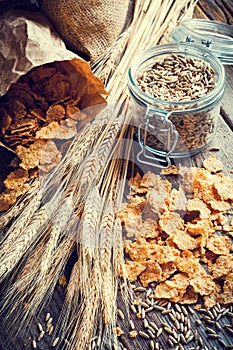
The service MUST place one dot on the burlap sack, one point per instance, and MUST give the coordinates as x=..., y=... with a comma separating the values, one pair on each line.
x=89, y=26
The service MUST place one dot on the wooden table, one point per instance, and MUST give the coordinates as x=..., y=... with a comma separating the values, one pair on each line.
x=221, y=10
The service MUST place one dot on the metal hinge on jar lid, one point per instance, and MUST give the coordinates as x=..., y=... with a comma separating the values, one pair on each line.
x=215, y=35
x=207, y=42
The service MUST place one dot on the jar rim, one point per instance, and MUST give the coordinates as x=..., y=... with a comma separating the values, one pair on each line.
x=183, y=48
x=216, y=35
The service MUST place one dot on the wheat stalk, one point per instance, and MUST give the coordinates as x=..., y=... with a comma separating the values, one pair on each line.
x=83, y=331
x=106, y=244
x=10, y=257
x=97, y=162
x=88, y=236
x=16, y=209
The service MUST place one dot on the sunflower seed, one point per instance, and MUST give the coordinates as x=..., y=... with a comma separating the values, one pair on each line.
x=34, y=345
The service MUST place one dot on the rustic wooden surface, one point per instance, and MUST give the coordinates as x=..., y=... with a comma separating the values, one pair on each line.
x=221, y=10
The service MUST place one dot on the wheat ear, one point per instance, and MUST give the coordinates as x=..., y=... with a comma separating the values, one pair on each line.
x=33, y=197
x=88, y=236
x=106, y=244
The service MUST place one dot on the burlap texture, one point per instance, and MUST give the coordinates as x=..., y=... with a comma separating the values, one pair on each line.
x=89, y=26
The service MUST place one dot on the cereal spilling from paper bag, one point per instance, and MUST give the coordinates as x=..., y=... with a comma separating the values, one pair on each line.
x=181, y=239
x=43, y=109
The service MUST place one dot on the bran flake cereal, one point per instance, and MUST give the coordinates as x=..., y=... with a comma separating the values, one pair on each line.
x=181, y=238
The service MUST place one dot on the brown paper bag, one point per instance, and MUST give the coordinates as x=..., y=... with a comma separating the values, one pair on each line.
x=47, y=94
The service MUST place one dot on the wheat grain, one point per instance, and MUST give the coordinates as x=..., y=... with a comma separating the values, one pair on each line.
x=29, y=236
x=28, y=204
x=106, y=237
x=25, y=210
x=103, y=137
x=106, y=242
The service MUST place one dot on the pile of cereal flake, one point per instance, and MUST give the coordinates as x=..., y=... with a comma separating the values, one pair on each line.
x=180, y=237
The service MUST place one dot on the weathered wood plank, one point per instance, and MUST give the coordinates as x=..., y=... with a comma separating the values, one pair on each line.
x=227, y=103
x=212, y=9
x=219, y=10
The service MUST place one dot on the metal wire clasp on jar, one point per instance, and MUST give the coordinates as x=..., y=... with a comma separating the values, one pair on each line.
x=176, y=90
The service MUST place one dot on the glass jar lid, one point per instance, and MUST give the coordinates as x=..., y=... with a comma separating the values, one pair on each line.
x=215, y=35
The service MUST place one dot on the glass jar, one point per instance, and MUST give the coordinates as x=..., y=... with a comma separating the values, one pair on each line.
x=168, y=129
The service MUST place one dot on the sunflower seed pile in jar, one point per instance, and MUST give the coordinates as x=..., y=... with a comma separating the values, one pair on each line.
x=177, y=78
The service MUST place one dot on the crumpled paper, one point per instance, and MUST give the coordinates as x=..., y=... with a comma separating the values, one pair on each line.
x=31, y=41
x=28, y=40
x=69, y=97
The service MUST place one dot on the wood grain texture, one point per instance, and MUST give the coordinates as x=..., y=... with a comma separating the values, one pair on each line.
x=218, y=10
